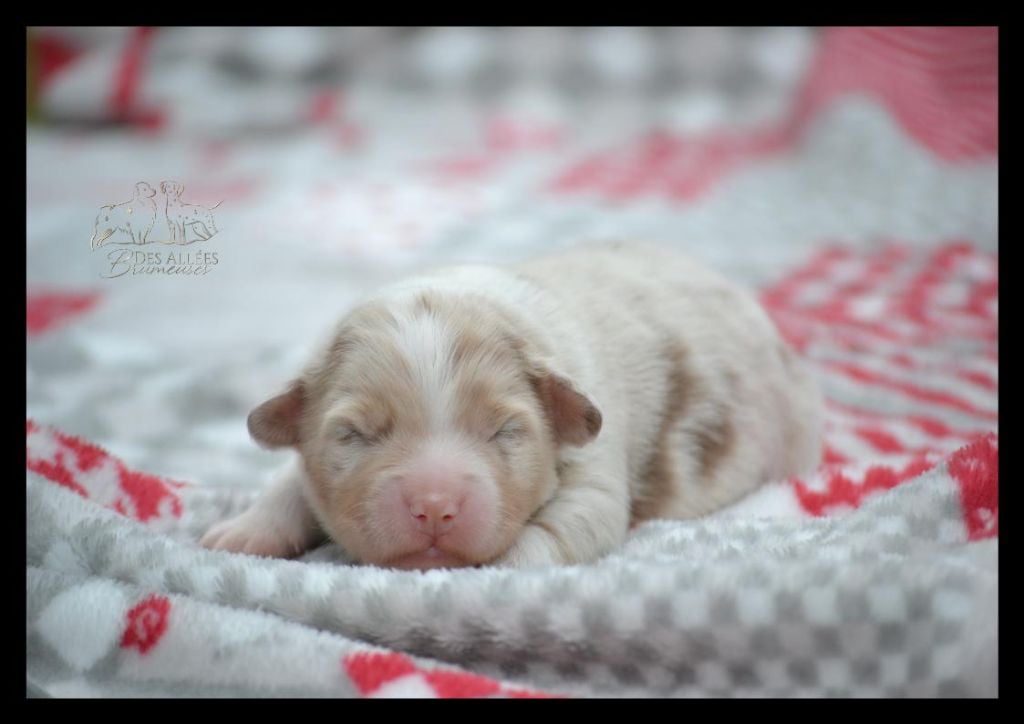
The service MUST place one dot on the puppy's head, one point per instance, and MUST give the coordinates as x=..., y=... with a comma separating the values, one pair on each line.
x=429, y=430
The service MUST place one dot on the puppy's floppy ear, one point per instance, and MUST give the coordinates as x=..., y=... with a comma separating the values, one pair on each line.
x=574, y=417
x=275, y=423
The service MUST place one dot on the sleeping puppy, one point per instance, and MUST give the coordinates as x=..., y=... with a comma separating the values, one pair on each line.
x=530, y=415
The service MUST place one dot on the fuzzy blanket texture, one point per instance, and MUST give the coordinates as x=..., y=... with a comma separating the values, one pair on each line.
x=849, y=175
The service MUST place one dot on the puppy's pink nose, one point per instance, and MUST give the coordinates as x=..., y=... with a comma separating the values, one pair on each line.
x=435, y=512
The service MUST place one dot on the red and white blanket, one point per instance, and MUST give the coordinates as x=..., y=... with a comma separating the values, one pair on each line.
x=865, y=213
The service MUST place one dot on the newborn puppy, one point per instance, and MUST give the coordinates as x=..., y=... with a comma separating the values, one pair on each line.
x=530, y=415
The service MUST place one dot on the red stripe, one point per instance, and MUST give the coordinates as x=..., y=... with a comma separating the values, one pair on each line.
x=126, y=82
x=940, y=85
x=831, y=456
x=879, y=439
x=46, y=310
x=904, y=44
x=842, y=490
x=920, y=75
x=976, y=470
x=56, y=471
x=928, y=42
x=913, y=303
x=903, y=360
x=980, y=299
x=918, y=393
x=835, y=313
x=979, y=378
x=931, y=426
x=817, y=268
x=53, y=55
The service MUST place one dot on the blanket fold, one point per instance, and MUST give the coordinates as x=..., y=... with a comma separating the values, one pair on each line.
x=889, y=599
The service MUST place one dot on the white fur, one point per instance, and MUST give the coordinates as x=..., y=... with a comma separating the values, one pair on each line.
x=280, y=523
x=427, y=345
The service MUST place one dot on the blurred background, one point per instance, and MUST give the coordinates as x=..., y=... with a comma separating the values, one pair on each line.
x=448, y=123
x=219, y=82
x=342, y=157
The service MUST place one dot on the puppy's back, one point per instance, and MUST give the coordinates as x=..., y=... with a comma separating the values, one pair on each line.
x=691, y=375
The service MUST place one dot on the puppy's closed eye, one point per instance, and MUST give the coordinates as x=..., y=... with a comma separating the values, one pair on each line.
x=346, y=432
x=511, y=430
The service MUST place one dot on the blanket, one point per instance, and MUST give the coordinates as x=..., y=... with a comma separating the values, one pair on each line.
x=862, y=206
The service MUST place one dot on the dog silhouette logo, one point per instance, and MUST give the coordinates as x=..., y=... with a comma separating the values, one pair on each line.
x=133, y=221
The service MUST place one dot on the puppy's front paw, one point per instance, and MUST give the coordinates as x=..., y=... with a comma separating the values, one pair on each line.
x=535, y=547
x=256, y=535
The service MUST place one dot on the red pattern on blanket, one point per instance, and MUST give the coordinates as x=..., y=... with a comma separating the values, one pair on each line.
x=919, y=331
x=906, y=344
x=93, y=473
x=940, y=84
x=385, y=674
x=47, y=310
x=146, y=623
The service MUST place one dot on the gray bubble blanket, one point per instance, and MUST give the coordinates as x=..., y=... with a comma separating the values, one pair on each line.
x=863, y=209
